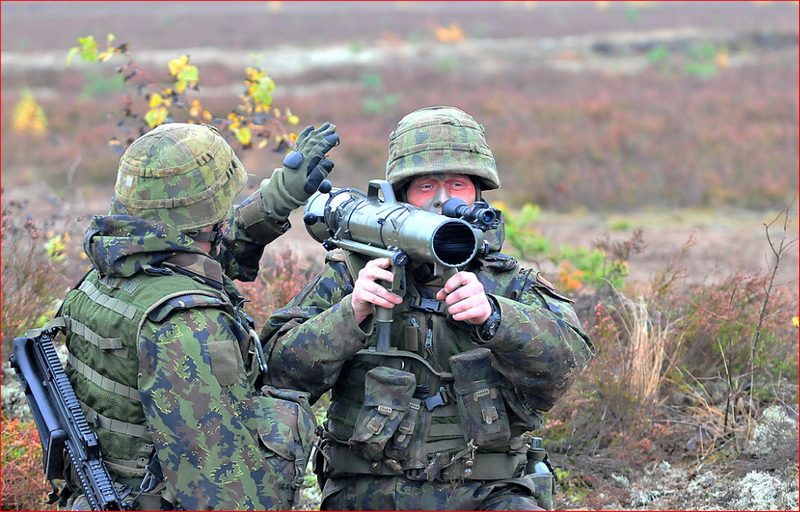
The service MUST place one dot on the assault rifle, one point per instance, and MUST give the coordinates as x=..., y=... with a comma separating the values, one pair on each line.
x=60, y=421
x=376, y=225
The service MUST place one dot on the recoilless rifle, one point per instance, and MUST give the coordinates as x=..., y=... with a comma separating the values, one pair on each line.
x=376, y=225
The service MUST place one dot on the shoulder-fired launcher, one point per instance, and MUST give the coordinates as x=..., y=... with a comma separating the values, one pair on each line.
x=376, y=225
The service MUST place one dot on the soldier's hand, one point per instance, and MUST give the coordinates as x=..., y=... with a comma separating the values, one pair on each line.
x=465, y=298
x=367, y=293
x=303, y=170
x=306, y=160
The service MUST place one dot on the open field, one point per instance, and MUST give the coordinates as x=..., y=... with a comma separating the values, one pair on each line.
x=676, y=118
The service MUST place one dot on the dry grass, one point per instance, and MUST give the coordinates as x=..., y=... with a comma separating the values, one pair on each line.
x=652, y=344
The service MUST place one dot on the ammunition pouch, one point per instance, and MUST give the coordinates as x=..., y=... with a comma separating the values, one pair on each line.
x=480, y=401
x=387, y=396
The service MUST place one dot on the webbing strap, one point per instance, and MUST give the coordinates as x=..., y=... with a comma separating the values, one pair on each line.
x=94, y=338
x=122, y=427
x=121, y=283
x=62, y=322
x=256, y=222
x=102, y=381
x=97, y=296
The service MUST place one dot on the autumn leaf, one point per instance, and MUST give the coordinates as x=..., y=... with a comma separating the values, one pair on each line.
x=88, y=48
x=29, y=116
x=72, y=53
x=195, y=109
x=176, y=65
x=155, y=116
x=243, y=135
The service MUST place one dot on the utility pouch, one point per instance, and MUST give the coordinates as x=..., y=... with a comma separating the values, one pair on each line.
x=286, y=428
x=398, y=449
x=480, y=402
x=387, y=394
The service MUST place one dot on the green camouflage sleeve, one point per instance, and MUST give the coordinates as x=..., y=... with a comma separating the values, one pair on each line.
x=248, y=229
x=200, y=412
x=309, y=340
x=540, y=348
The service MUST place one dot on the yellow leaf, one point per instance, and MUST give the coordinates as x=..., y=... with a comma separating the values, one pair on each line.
x=28, y=116
x=180, y=86
x=72, y=53
x=176, y=65
x=262, y=143
x=796, y=322
x=293, y=119
x=243, y=136
x=156, y=100
x=106, y=55
x=195, y=109
x=276, y=112
x=155, y=116
x=110, y=38
x=207, y=116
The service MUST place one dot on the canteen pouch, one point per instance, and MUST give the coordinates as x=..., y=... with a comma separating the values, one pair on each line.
x=480, y=402
x=387, y=393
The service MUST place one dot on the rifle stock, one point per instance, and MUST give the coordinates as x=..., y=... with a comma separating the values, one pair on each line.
x=61, y=422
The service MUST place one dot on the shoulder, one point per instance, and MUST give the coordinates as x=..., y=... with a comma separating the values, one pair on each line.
x=182, y=302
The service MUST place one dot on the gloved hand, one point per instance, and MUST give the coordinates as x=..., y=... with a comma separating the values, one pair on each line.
x=303, y=170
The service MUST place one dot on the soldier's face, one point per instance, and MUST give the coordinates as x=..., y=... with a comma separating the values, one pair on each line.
x=430, y=192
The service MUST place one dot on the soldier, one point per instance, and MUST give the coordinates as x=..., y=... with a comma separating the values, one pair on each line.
x=440, y=421
x=161, y=355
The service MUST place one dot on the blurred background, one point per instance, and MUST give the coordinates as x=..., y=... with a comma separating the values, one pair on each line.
x=601, y=110
x=652, y=146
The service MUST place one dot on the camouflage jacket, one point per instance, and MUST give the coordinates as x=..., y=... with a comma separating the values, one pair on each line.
x=315, y=345
x=191, y=387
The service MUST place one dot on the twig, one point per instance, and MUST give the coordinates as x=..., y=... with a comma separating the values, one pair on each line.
x=721, y=317
x=782, y=247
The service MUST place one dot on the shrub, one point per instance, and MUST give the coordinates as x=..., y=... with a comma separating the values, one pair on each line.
x=719, y=321
x=23, y=481
x=33, y=266
x=281, y=278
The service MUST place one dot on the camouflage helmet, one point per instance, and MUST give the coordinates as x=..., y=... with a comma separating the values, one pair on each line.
x=440, y=140
x=185, y=175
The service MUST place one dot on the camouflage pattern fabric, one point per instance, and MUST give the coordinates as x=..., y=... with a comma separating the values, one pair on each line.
x=440, y=140
x=397, y=493
x=313, y=345
x=539, y=348
x=217, y=441
x=185, y=175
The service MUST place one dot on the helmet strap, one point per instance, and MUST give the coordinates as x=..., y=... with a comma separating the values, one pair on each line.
x=214, y=236
x=477, y=183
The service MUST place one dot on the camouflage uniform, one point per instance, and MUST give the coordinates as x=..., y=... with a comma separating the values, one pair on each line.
x=439, y=421
x=161, y=355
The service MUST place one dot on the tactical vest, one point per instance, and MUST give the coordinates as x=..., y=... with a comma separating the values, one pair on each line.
x=432, y=407
x=103, y=318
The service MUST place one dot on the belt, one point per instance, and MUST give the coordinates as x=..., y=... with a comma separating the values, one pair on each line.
x=484, y=466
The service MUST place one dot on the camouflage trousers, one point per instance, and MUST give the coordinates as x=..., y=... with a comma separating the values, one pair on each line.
x=367, y=492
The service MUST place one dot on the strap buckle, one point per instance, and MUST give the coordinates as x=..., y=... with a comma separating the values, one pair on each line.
x=429, y=305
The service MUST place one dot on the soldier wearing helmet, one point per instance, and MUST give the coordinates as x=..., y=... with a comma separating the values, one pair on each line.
x=165, y=363
x=441, y=421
